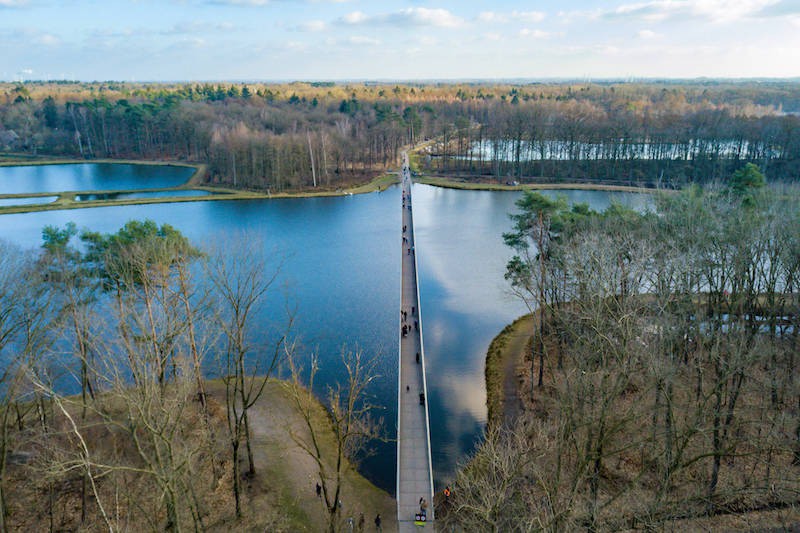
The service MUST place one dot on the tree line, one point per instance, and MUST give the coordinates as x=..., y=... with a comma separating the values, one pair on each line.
x=301, y=135
x=662, y=381
x=667, y=142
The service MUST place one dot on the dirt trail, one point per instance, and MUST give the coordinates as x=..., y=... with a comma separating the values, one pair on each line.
x=290, y=474
x=513, y=357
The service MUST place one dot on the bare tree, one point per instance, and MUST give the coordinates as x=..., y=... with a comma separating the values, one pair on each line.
x=349, y=416
x=241, y=280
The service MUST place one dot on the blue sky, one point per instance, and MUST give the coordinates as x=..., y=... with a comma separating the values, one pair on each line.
x=148, y=40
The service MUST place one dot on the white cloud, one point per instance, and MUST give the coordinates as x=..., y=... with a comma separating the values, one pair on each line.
x=491, y=36
x=311, y=26
x=528, y=16
x=295, y=46
x=717, y=11
x=361, y=40
x=412, y=16
x=13, y=3
x=356, y=17
x=646, y=34
x=186, y=28
x=493, y=17
x=713, y=10
x=48, y=39
x=535, y=34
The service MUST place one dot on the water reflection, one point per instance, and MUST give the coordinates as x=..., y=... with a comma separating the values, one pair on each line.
x=90, y=177
x=134, y=195
x=466, y=302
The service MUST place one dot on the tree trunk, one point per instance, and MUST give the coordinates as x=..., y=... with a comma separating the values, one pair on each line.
x=311, y=157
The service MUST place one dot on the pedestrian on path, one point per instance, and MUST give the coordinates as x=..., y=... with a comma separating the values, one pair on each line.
x=417, y=357
x=378, y=523
x=319, y=491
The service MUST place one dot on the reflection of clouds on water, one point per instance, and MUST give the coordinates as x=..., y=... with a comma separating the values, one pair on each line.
x=466, y=302
x=468, y=392
x=459, y=374
x=460, y=242
x=461, y=246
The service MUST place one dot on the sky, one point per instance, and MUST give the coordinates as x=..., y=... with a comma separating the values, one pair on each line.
x=281, y=40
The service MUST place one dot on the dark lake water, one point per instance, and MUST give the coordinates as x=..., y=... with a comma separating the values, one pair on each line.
x=134, y=195
x=342, y=271
x=90, y=177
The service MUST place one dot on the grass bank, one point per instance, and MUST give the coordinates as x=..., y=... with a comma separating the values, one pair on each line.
x=506, y=353
x=67, y=199
x=456, y=183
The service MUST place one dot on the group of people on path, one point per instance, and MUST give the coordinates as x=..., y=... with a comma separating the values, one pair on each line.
x=350, y=522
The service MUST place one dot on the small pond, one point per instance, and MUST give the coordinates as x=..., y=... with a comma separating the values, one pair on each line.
x=133, y=195
x=90, y=177
x=33, y=200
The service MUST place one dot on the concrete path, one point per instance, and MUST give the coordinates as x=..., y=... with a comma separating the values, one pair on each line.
x=414, y=474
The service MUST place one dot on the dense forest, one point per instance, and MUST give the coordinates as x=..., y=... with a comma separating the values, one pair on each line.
x=662, y=381
x=322, y=134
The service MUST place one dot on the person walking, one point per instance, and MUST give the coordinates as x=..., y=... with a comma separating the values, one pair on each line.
x=378, y=523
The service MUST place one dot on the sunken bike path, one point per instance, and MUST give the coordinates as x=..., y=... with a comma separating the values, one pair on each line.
x=414, y=474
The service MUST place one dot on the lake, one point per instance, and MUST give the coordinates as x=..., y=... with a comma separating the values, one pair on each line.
x=90, y=177
x=560, y=150
x=342, y=271
x=32, y=200
x=134, y=195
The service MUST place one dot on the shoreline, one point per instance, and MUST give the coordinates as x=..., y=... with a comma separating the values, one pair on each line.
x=504, y=354
x=66, y=199
x=454, y=183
